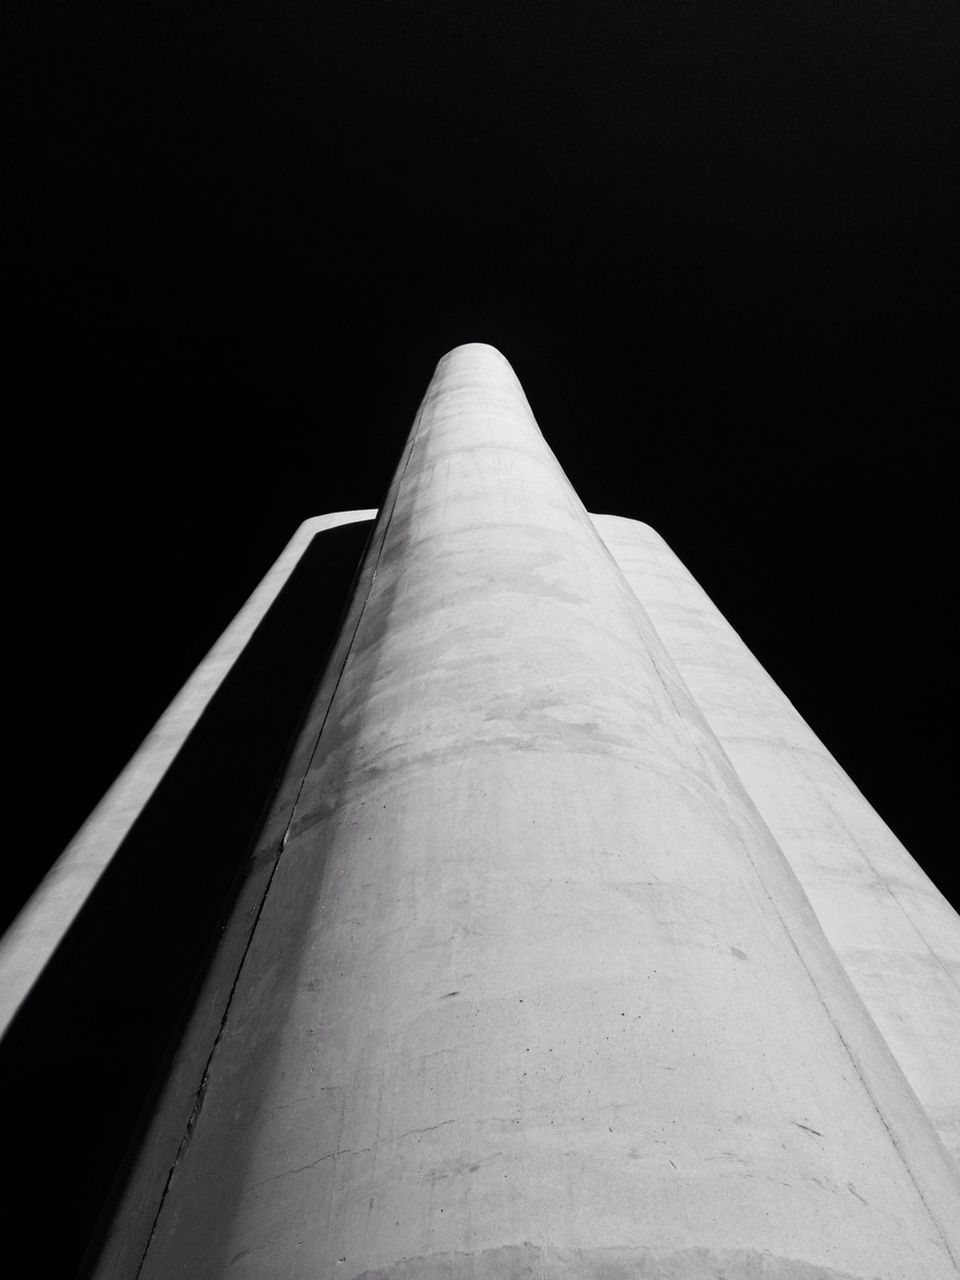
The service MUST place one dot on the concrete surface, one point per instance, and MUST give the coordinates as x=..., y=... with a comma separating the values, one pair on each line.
x=34, y=935
x=532, y=990
x=896, y=935
x=133, y=1218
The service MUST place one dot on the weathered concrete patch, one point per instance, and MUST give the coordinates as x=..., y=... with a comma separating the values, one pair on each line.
x=534, y=1262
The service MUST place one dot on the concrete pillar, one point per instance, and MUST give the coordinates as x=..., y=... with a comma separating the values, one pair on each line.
x=533, y=991
x=895, y=933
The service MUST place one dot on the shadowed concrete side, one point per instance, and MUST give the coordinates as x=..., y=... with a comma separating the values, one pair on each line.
x=894, y=932
x=531, y=971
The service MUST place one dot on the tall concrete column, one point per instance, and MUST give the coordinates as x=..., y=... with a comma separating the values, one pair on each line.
x=895, y=933
x=533, y=991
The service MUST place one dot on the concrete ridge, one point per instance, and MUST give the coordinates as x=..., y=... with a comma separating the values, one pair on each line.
x=33, y=937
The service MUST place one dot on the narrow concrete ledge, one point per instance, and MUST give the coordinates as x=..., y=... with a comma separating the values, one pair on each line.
x=38, y=930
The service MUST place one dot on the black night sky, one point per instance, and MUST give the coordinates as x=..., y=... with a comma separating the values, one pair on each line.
x=715, y=238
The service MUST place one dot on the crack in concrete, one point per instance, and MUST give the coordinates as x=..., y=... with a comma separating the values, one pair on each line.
x=384, y=1142
x=302, y=1168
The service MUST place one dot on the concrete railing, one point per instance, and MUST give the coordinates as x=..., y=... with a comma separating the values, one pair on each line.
x=36, y=933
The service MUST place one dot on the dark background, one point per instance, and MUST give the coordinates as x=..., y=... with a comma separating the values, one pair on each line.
x=716, y=240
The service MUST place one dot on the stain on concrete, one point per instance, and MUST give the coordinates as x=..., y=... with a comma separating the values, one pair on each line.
x=808, y=1129
x=534, y=1262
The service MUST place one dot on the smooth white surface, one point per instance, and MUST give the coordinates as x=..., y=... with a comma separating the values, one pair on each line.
x=37, y=931
x=533, y=990
x=894, y=932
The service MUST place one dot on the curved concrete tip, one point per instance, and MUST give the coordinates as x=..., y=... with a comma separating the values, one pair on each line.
x=476, y=348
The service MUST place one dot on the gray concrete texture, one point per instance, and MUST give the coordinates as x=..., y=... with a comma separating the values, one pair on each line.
x=533, y=990
x=894, y=932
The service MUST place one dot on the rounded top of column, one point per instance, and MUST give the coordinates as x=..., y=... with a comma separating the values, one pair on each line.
x=478, y=349
x=476, y=362
x=479, y=357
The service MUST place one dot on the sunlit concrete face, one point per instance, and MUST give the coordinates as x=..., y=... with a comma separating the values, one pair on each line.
x=533, y=990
